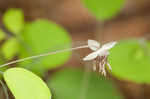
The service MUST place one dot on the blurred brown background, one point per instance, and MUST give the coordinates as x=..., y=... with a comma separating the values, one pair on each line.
x=132, y=21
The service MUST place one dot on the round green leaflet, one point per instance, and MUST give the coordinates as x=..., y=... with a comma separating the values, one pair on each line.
x=10, y=48
x=130, y=60
x=104, y=9
x=2, y=35
x=26, y=85
x=45, y=36
x=76, y=84
x=13, y=20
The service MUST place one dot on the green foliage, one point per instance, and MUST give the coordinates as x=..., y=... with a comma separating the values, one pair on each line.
x=2, y=35
x=76, y=84
x=38, y=37
x=10, y=48
x=44, y=36
x=104, y=9
x=13, y=20
x=26, y=85
x=130, y=60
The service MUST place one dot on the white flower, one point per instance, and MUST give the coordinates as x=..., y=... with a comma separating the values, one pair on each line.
x=99, y=55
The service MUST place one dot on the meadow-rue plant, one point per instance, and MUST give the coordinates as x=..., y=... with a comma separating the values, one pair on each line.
x=99, y=56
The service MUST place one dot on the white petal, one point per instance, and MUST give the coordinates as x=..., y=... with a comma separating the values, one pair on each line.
x=109, y=45
x=103, y=53
x=90, y=56
x=94, y=45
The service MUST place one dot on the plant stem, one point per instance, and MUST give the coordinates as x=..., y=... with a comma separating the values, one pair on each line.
x=44, y=54
x=5, y=89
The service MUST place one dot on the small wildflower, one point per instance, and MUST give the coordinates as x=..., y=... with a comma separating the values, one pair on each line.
x=100, y=55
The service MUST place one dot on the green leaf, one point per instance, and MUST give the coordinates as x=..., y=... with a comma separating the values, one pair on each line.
x=44, y=36
x=13, y=20
x=76, y=84
x=130, y=60
x=2, y=35
x=26, y=85
x=10, y=48
x=104, y=9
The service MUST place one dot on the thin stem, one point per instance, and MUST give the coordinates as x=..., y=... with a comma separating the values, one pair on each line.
x=5, y=89
x=41, y=55
x=85, y=83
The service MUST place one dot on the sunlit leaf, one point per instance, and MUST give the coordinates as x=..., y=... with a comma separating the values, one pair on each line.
x=2, y=35
x=76, y=84
x=13, y=20
x=26, y=85
x=10, y=48
x=44, y=36
x=130, y=60
x=104, y=9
